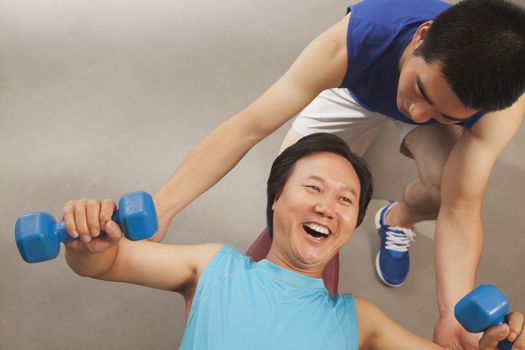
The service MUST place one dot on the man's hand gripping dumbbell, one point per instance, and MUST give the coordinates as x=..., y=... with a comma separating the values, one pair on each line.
x=38, y=235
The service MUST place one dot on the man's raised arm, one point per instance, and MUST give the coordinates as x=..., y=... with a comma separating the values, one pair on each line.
x=114, y=258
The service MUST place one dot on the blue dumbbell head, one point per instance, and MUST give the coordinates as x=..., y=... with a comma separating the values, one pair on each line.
x=137, y=215
x=35, y=238
x=38, y=235
x=485, y=306
x=482, y=308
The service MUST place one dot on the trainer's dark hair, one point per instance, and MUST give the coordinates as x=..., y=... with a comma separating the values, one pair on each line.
x=321, y=142
x=480, y=46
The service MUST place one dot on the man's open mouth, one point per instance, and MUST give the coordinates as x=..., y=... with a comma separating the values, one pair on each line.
x=316, y=231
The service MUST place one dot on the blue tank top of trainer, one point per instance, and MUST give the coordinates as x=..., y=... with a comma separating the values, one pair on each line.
x=241, y=304
x=378, y=32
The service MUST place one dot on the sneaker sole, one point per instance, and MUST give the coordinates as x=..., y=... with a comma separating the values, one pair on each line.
x=378, y=272
x=378, y=268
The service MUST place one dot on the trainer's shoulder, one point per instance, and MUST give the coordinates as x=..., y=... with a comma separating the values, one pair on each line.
x=388, y=11
x=500, y=126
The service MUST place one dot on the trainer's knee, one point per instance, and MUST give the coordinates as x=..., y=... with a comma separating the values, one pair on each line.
x=434, y=198
x=432, y=192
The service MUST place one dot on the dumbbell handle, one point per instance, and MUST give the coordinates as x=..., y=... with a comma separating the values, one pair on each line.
x=504, y=344
x=63, y=235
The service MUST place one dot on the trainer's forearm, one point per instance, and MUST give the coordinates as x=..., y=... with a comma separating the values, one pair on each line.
x=207, y=163
x=204, y=166
x=458, y=245
x=91, y=265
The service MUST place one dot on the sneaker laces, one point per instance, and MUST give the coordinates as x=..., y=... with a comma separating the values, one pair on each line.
x=399, y=238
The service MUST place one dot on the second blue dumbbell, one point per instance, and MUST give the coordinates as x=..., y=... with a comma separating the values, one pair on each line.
x=482, y=308
x=38, y=235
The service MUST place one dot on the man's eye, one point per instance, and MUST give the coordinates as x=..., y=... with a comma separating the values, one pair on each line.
x=314, y=188
x=418, y=92
x=346, y=200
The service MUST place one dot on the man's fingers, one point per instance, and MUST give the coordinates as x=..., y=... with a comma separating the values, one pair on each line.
x=113, y=230
x=81, y=221
x=87, y=218
x=515, y=321
x=519, y=342
x=92, y=214
x=493, y=336
x=77, y=245
x=69, y=219
x=107, y=209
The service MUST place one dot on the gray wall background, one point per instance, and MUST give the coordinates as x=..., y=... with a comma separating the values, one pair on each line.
x=99, y=98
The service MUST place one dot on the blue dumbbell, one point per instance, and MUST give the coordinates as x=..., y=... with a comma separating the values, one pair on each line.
x=482, y=308
x=38, y=235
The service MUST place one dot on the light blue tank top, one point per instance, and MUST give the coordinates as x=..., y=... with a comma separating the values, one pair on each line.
x=241, y=304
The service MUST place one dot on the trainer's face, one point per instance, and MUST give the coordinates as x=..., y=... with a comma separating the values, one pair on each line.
x=316, y=213
x=423, y=93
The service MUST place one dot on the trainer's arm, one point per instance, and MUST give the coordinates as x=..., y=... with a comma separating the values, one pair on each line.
x=320, y=66
x=459, y=227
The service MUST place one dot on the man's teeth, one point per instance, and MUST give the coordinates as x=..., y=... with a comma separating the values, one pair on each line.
x=319, y=229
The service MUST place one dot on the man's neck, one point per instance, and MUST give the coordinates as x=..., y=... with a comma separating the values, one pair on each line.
x=282, y=260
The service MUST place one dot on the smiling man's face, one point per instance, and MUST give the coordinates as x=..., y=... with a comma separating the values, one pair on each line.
x=315, y=214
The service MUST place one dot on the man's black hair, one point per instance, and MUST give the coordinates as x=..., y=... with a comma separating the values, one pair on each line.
x=480, y=47
x=321, y=142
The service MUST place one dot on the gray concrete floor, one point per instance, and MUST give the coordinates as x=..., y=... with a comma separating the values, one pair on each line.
x=99, y=98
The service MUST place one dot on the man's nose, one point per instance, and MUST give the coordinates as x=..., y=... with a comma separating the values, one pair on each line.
x=325, y=207
x=421, y=112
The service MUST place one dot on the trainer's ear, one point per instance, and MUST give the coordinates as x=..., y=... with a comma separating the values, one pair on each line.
x=421, y=33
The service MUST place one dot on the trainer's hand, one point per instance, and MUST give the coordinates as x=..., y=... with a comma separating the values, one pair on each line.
x=163, y=219
x=451, y=335
x=162, y=230
x=86, y=218
x=512, y=331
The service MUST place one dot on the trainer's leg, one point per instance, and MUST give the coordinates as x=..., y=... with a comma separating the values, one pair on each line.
x=430, y=147
x=335, y=111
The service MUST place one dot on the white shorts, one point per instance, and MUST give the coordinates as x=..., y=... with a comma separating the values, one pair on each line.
x=335, y=111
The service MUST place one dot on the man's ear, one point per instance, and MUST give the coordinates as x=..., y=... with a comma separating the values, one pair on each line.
x=275, y=200
x=421, y=33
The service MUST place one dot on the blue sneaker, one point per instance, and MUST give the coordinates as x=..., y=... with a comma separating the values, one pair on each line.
x=392, y=261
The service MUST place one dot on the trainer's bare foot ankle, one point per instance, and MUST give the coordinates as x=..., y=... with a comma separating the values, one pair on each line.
x=394, y=217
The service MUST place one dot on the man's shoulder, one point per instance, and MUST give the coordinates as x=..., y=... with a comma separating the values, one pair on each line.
x=215, y=257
